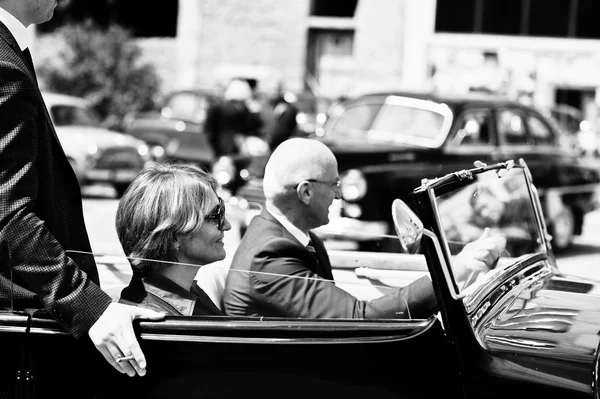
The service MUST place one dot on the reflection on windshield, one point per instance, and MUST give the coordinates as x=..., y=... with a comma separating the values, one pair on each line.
x=501, y=204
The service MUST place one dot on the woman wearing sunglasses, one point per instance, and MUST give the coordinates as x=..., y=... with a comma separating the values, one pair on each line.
x=170, y=222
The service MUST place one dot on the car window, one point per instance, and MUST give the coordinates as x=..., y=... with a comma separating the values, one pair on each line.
x=354, y=121
x=540, y=131
x=67, y=115
x=511, y=127
x=474, y=129
x=405, y=121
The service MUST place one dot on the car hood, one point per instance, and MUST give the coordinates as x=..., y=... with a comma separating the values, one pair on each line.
x=83, y=136
x=551, y=325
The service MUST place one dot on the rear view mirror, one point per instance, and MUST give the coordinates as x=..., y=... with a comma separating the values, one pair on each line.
x=409, y=227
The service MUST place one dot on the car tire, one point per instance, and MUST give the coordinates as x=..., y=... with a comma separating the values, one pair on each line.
x=563, y=229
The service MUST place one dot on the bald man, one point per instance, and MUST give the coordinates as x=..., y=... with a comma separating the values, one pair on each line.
x=281, y=268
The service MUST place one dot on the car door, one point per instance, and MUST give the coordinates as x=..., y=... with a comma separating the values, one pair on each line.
x=222, y=357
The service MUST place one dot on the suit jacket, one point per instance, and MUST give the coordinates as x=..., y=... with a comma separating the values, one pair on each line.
x=163, y=295
x=272, y=274
x=41, y=212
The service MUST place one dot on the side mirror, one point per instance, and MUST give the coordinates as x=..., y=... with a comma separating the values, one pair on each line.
x=409, y=227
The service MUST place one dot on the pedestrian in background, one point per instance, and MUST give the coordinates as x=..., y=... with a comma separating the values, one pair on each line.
x=283, y=123
x=230, y=122
x=42, y=227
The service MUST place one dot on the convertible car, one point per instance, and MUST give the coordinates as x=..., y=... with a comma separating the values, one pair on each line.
x=522, y=329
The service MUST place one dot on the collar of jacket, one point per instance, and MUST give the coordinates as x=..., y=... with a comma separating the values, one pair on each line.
x=182, y=300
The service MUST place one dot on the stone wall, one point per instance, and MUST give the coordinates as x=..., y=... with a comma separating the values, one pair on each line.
x=259, y=39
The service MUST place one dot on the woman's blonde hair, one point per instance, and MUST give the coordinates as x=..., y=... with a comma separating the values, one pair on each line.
x=163, y=201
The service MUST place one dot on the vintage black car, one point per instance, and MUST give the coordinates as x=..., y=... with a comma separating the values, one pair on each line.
x=177, y=126
x=386, y=143
x=521, y=330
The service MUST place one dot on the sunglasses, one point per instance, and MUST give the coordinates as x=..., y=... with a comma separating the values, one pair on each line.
x=218, y=214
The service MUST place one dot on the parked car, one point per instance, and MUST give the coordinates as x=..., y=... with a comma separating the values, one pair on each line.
x=177, y=126
x=97, y=155
x=520, y=330
x=385, y=143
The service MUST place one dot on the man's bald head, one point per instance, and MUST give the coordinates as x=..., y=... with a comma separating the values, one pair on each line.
x=295, y=160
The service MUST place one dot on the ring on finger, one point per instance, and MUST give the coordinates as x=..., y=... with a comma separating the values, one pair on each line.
x=124, y=358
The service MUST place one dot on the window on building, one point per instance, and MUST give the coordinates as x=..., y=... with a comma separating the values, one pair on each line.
x=587, y=19
x=455, y=16
x=549, y=18
x=160, y=17
x=501, y=17
x=333, y=8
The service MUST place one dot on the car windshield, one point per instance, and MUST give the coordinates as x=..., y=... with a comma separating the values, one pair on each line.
x=67, y=115
x=501, y=204
x=400, y=120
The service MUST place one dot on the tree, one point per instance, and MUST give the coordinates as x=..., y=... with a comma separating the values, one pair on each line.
x=104, y=66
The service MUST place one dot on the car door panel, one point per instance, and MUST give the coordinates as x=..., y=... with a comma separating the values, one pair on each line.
x=233, y=357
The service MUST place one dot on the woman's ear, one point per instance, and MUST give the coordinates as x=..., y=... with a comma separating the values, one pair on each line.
x=304, y=192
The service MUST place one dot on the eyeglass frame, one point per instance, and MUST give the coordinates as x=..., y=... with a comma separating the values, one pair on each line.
x=334, y=184
x=218, y=214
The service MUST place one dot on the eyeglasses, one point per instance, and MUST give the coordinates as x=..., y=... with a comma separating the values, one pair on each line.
x=334, y=184
x=218, y=214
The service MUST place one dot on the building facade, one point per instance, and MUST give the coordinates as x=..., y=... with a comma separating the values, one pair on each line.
x=342, y=48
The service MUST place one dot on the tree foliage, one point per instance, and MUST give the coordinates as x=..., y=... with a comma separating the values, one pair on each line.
x=105, y=67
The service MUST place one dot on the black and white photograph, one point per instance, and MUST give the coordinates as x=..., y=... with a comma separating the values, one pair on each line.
x=218, y=199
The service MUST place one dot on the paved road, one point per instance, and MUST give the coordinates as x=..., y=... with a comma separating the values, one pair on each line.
x=100, y=206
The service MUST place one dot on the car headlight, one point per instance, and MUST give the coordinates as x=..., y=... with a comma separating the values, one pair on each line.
x=223, y=170
x=353, y=185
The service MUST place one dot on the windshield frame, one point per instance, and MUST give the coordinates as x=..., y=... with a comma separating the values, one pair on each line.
x=474, y=295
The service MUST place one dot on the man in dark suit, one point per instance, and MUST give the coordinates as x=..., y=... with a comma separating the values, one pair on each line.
x=282, y=269
x=41, y=215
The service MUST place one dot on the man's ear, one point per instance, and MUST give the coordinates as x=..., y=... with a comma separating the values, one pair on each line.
x=304, y=192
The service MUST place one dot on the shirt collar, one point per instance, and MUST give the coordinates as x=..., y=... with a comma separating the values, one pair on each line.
x=16, y=28
x=293, y=230
x=171, y=292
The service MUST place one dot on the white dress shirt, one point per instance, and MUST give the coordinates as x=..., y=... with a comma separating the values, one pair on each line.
x=296, y=232
x=18, y=30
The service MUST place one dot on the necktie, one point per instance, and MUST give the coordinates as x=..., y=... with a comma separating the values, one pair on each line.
x=29, y=60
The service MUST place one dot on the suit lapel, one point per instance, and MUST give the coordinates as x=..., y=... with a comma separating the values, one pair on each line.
x=12, y=42
x=321, y=265
x=324, y=267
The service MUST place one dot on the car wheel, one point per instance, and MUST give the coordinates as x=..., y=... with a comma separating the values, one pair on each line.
x=563, y=229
